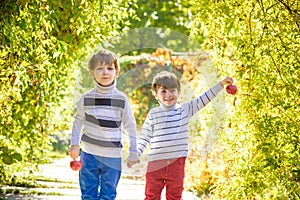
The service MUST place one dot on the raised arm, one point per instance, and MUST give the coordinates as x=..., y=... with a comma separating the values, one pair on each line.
x=198, y=103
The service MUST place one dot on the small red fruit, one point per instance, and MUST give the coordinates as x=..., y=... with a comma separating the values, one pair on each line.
x=231, y=89
x=76, y=165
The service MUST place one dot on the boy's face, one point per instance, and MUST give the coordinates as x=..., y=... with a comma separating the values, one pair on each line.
x=104, y=74
x=167, y=96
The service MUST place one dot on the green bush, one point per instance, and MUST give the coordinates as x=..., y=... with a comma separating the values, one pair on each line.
x=257, y=43
x=43, y=44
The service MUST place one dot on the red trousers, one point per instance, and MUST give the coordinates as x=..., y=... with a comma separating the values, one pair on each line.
x=165, y=173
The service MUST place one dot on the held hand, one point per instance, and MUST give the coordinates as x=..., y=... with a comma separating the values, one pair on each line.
x=74, y=152
x=131, y=163
x=227, y=81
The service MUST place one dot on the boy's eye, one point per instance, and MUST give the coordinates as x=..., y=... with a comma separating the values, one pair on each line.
x=103, y=68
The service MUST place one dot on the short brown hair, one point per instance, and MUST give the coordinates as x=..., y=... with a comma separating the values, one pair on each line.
x=103, y=56
x=166, y=79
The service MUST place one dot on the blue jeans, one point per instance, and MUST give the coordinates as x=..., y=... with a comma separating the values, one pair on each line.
x=99, y=177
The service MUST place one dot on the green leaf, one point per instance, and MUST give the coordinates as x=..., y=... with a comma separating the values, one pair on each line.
x=7, y=160
x=17, y=156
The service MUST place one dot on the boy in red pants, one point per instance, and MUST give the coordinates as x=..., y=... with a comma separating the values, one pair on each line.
x=166, y=129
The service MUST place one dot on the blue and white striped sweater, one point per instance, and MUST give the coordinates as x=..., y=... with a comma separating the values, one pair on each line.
x=166, y=128
x=104, y=112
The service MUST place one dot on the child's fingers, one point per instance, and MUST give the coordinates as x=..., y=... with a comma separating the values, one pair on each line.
x=229, y=80
x=131, y=163
x=73, y=154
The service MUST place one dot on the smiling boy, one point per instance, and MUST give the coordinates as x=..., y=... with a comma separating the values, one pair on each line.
x=166, y=131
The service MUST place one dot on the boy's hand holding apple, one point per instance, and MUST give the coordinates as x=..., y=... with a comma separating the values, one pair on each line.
x=74, y=151
x=230, y=89
x=227, y=81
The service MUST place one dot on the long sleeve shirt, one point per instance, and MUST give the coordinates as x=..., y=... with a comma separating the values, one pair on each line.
x=102, y=114
x=166, y=128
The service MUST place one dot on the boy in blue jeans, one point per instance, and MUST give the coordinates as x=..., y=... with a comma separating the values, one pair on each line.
x=104, y=112
x=166, y=130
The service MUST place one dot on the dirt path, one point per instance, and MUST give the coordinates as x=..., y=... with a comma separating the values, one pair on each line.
x=64, y=185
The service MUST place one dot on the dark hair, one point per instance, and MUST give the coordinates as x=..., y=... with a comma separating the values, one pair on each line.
x=103, y=56
x=166, y=79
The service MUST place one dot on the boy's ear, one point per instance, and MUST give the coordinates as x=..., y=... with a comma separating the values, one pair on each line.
x=154, y=94
x=117, y=73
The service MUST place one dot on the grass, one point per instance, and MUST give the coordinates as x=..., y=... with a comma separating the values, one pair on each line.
x=25, y=191
x=31, y=185
x=33, y=189
x=38, y=185
x=54, y=180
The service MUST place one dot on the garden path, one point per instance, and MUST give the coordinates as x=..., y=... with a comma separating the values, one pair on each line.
x=62, y=184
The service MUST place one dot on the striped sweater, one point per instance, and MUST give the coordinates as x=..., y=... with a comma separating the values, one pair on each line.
x=104, y=112
x=166, y=128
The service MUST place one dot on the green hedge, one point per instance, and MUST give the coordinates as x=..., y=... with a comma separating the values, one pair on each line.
x=43, y=44
x=257, y=42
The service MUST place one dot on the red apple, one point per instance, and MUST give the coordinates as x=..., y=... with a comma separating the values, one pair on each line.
x=231, y=89
x=76, y=165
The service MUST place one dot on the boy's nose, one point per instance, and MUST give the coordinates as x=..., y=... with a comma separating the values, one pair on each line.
x=169, y=93
x=105, y=71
